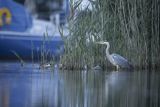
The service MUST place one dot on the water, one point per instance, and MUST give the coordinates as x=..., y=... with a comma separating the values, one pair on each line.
x=28, y=86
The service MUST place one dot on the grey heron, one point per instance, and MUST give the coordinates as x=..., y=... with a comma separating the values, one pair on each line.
x=116, y=59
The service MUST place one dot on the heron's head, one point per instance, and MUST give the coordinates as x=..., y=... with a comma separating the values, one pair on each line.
x=104, y=43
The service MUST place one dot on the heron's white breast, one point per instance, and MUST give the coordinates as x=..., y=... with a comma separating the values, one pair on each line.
x=111, y=60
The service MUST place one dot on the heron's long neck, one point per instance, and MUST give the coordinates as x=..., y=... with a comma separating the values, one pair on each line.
x=107, y=50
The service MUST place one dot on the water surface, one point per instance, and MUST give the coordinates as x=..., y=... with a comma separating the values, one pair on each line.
x=29, y=86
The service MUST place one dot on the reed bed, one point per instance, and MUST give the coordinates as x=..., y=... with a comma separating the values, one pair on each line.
x=131, y=27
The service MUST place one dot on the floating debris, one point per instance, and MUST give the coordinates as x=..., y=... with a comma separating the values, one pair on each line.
x=97, y=68
x=45, y=66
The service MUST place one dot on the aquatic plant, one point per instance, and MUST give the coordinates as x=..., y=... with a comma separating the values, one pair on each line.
x=41, y=54
x=131, y=27
x=19, y=58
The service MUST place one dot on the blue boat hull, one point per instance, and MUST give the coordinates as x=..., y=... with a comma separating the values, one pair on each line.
x=30, y=46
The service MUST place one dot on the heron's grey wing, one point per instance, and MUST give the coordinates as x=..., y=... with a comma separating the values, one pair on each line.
x=121, y=61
